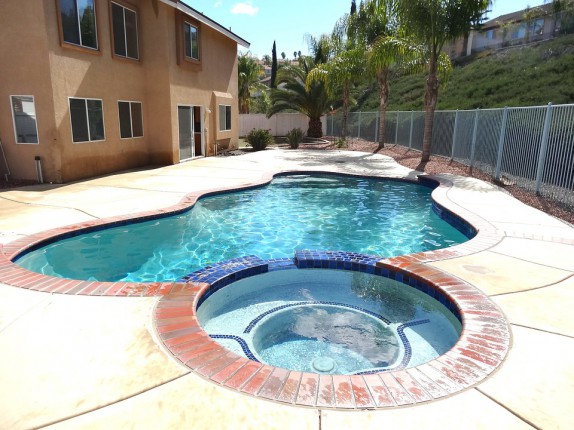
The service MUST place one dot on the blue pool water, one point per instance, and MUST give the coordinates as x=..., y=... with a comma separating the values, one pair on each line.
x=329, y=321
x=370, y=216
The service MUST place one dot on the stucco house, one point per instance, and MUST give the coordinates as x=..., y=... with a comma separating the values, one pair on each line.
x=516, y=28
x=91, y=87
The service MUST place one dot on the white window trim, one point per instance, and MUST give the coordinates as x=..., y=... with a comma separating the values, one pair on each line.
x=184, y=42
x=97, y=48
x=14, y=120
x=87, y=119
x=131, y=120
x=230, y=116
x=126, y=34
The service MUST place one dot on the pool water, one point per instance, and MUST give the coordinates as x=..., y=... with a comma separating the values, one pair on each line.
x=329, y=212
x=329, y=321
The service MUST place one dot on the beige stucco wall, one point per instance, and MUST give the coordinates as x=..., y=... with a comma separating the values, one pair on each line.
x=53, y=73
x=23, y=71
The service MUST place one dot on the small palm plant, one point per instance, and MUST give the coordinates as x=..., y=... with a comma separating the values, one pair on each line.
x=259, y=139
x=294, y=138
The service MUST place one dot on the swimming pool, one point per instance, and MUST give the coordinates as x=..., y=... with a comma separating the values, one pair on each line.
x=329, y=321
x=371, y=216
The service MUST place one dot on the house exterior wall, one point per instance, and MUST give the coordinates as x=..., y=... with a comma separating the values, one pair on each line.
x=53, y=72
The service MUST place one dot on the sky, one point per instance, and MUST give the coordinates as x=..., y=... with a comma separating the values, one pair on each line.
x=260, y=22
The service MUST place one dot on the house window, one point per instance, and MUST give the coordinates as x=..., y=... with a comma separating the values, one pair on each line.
x=79, y=23
x=490, y=34
x=131, y=123
x=224, y=118
x=87, y=117
x=125, y=32
x=538, y=27
x=191, y=41
x=24, y=115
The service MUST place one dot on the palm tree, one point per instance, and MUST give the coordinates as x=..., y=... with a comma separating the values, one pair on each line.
x=249, y=72
x=432, y=23
x=374, y=27
x=292, y=94
x=339, y=73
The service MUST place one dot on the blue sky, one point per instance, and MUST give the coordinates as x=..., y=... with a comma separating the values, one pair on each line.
x=260, y=22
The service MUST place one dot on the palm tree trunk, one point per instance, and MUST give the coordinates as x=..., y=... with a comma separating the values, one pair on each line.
x=431, y=95
x=346, y=97
x=315, y=128
x=383, y=78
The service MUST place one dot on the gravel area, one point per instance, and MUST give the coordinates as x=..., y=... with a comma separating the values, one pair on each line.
x=412, y=159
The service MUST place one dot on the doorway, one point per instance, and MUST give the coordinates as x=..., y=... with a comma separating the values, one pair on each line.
x=191, y=143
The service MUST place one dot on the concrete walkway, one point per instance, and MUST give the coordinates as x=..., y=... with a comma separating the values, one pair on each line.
x=72, y=362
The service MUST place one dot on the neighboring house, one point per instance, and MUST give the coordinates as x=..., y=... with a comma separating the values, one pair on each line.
x=98, y=86
x=516, y=28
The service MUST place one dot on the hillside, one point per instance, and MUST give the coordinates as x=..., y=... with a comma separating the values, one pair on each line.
x=521, y=76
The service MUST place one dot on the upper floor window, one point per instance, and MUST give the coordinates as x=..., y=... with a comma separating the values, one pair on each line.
x=125, y=31
x=191, y=41
x=24, y=115
x=87, y=117
x=224, y=118
x=79, y=23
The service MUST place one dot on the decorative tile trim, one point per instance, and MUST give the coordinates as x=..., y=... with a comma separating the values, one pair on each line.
x=240, y=341
x=256, y=321
x=481, y=349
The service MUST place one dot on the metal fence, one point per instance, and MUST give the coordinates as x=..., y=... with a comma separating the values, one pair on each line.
x=530, y=146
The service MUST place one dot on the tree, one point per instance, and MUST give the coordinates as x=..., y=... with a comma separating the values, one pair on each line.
x=431, y=23
x=353, y=7
x=249, y=72
x=283, y=55
x=274, y=66
x=267, y=59
x=373, y=28
x=294, y=55
x=293, y=94
x=341, y=70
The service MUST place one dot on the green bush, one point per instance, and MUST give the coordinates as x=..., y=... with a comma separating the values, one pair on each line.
x=259, y=138
x=295, y=137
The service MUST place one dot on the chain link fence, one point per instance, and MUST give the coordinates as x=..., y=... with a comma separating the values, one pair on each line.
x=530, y=146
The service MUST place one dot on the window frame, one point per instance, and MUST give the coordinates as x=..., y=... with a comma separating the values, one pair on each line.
x=85, y=99
x=227, y=117
x=196, y=27
x=14, y=120
x=130, y=102
x=74, y=46
x=135, y=10
x=183, y=60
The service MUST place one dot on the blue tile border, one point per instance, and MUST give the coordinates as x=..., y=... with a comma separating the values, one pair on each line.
x=240, y=341
x=255, y=321
x=225, y=273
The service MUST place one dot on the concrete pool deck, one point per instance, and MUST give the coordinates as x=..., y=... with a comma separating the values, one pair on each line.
x=73, y=361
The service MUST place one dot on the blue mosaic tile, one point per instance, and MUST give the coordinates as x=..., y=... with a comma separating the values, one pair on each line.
x=408, y=350
x=240, y=341
x=255, y=321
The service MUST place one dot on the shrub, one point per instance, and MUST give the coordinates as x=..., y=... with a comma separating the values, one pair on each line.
x=341, y=143
x=295, y=137
x=259, y=138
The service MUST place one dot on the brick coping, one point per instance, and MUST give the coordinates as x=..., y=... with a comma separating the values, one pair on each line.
x=482, y=347
x=484, y=342
x=14, y=275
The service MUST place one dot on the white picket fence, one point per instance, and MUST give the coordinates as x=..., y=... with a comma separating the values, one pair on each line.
x=278, y=124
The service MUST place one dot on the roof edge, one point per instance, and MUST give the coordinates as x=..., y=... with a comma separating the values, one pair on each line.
x=188, y=10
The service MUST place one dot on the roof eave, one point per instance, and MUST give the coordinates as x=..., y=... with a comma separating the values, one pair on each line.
x=177, y=4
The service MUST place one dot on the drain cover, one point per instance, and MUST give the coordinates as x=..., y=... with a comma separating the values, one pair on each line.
x=323, y=364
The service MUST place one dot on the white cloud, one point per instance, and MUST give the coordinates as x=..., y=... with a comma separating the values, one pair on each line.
x=217, y=4
x=245, y=8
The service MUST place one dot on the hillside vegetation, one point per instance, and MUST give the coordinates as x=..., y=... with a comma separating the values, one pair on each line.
x=530, y=75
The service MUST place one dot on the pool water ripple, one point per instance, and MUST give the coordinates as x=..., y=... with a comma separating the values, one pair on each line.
x=370, y=216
